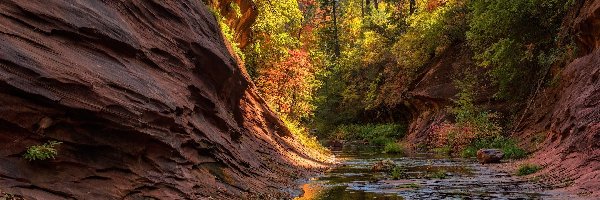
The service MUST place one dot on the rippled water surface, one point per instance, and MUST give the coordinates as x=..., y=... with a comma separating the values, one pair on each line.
x=464, y=179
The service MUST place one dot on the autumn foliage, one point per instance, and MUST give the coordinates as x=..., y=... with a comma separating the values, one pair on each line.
x=288, y=85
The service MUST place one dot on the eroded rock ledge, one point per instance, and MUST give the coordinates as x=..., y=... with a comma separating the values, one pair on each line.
x=146, y=99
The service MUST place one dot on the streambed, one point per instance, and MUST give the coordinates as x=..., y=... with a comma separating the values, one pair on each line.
x=453, y=178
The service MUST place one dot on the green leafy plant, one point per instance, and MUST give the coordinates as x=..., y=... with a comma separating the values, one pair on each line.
x=527, y=169
x=393, y=147
x=42, y=152
x=510, y=37
x=441, y=174
x=443, y=151
x=302, y=135
x=508, y=146
x=376, y=134
x=399, y=173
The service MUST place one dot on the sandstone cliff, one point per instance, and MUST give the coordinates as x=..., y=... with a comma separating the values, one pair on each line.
x=561, y=125
x=146, y=99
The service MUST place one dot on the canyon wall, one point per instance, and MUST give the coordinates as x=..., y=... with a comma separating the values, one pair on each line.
x=563, y=123
x=146, y=99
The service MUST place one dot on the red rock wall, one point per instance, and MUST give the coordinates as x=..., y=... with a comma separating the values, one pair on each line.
x=431, y=94
x=564, y=122
x=146, y=99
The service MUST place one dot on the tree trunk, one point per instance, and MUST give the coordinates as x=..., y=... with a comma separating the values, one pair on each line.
x=412, y=6
x=335, y=30
x=362, y=8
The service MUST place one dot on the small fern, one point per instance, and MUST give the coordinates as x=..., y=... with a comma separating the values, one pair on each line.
x=42, y=152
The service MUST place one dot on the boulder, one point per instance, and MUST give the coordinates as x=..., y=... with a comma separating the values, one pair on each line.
x=490, y=155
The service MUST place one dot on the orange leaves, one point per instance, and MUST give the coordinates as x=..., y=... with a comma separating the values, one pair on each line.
x=288, y=85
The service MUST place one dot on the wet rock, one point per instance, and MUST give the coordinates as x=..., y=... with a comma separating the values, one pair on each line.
x=383, y=166
x=489, y=155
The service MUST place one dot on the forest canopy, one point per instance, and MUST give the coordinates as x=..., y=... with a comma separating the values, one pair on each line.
x=330, y=64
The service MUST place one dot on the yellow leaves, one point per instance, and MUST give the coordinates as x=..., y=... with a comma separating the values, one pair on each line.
x=277, y=16
x=373, y=42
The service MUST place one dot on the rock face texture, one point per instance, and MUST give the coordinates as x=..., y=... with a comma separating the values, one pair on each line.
x=430, y=95
x=145, y=97
x=564, y=123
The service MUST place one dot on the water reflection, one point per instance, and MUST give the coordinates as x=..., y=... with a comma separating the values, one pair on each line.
x=426, y=177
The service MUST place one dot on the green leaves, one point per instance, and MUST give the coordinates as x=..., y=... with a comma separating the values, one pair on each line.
x=526, y=169
x=509, y=35
x=42, y=152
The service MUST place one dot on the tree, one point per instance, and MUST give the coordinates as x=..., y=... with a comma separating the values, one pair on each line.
x=288, y=86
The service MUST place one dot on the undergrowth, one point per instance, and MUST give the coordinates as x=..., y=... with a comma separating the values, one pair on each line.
x=441, y=174
x=508, y=146
x=302, y=135
x=42, y=152
x=375, y=134
x=399, y=172
x=527, y=169
x=393, y=148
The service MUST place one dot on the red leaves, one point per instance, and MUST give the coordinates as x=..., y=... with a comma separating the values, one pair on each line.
x=287, y=86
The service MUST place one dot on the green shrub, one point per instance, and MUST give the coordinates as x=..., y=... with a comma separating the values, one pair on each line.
x=303, y=136
x=381, y=141
x=375, y=134
x=446, y=150
x=469, y=152
x=508, y=146
x=441, y=174
x=510, y=37
x=42, y=152
x=527, y=169
x=393, y=147
x=399, y=173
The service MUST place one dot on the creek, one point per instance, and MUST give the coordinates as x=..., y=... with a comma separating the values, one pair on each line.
x=423, y=176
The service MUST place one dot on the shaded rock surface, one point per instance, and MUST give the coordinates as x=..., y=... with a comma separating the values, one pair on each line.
x=564, y=122
x=489, y=155
x=147, y=101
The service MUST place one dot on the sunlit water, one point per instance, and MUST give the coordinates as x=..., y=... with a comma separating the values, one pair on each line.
x=465, y=179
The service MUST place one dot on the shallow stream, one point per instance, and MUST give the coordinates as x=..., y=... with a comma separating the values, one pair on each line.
x=424, y=176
